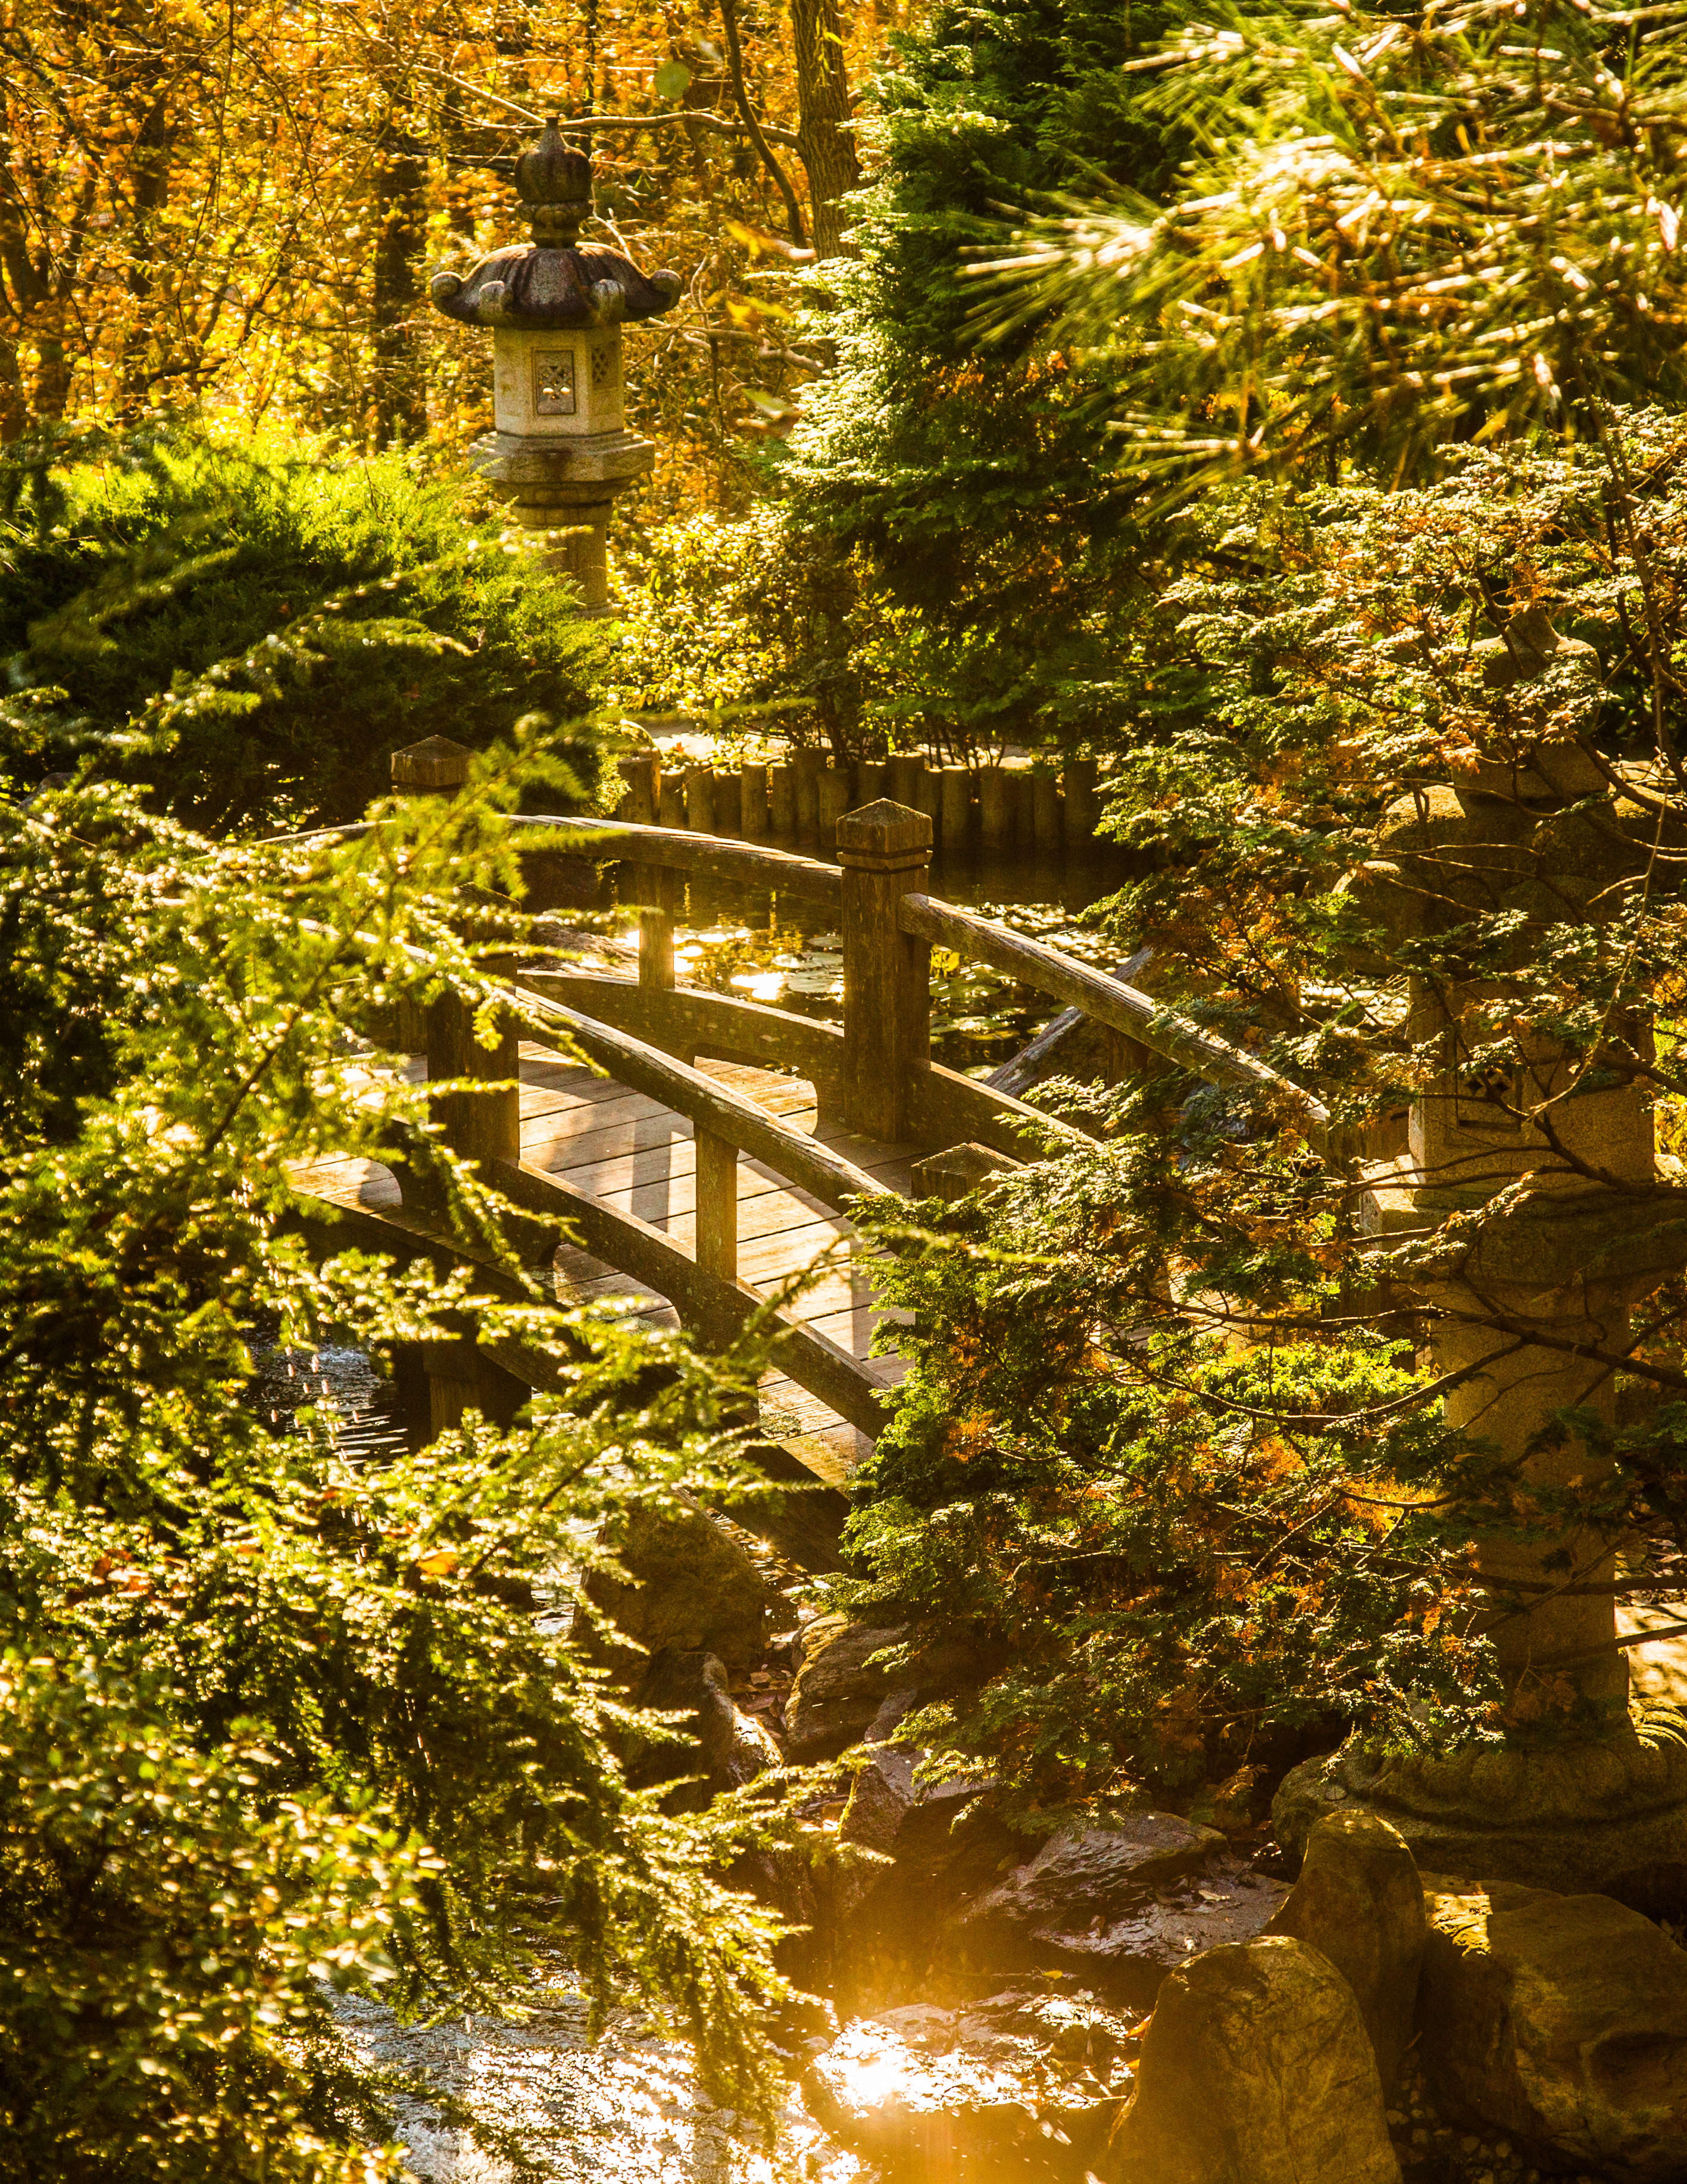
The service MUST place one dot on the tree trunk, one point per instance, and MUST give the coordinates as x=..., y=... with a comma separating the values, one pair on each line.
x=825, y=136
x=401, y=211
x=149, y=165
x=14, y=410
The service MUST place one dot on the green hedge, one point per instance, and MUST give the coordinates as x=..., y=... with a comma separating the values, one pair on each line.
x=251, y=623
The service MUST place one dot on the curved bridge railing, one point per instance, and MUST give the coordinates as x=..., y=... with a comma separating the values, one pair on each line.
x=884, y=850
x=874, y=1073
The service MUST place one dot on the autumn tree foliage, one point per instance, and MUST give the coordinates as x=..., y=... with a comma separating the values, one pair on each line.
x=241, y=206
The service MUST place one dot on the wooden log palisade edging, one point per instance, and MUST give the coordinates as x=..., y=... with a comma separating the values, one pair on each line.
x=874, y=1076
x=1011, y=807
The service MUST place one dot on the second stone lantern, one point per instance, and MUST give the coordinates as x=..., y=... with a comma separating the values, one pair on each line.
x=561, y=452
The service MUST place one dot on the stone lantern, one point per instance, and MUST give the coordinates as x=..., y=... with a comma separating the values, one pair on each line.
x=1533, y=1217
x=561, y=451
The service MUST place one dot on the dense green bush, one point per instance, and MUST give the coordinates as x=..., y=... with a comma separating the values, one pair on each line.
x=275, y=1718
x=251, y=623
x=1172, y=1552
x=749, y=619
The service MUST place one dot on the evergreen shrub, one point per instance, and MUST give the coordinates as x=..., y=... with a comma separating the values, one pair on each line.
x=251, y=623
x=278, y=1719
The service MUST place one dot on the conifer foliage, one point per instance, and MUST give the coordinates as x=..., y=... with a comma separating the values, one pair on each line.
x=276, y=1720
x=252, y=624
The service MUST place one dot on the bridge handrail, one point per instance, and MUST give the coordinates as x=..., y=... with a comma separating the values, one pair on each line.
x=921, y=916
x=675, y=850
x=1125, y=1008
x=705, y=1103
x=670, y=849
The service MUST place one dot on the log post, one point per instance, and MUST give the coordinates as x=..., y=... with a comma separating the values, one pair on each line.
x=902, y=774
x=885, y=851
x=699, y=799
x=1019, y=808
x=808, y=764
x=835, y=800
x=870, y=779
x=641, y=781
x=781, y=801
x=717, y=1205
x=995, y=815
x=753, y=800
x=670, y=811
x=956, y=823
x=1045, y=809
x=728, y=802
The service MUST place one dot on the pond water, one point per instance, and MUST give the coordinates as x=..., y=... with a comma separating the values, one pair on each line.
x=758, y=945
x=623, y=2109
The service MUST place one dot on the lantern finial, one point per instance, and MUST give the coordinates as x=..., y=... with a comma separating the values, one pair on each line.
x=555, y=185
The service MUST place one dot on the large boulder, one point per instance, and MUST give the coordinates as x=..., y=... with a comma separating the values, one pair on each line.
x=1256, y=2069
x=837, y=1696
x=731, y=1747
x=892, y=1812
x=1360, y=1899
x=691, y=1586
x=1063, y=1908
x=1563, y=2020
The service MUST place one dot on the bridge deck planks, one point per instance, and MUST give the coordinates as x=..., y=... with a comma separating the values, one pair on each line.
x=639, y=1157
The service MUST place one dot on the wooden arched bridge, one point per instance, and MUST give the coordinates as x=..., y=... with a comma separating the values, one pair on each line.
x=707, y=1152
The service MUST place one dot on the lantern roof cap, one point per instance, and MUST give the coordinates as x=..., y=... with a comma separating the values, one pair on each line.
x=554, y=281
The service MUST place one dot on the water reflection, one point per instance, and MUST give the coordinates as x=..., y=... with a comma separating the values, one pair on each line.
x=759, y=945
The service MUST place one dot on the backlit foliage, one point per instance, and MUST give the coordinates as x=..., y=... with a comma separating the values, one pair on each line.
x=278, y=1719
x=242, y=206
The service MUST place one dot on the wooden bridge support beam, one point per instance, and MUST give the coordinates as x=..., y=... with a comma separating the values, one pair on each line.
x=885, y=851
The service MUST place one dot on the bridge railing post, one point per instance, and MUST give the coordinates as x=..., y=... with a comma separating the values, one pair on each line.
x=885, y=851
x=717, y=1205
x=484, y=1127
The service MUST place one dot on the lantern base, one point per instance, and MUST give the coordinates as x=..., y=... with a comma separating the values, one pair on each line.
x=1606, y=1817
x=569, y=488
x=614, y=459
